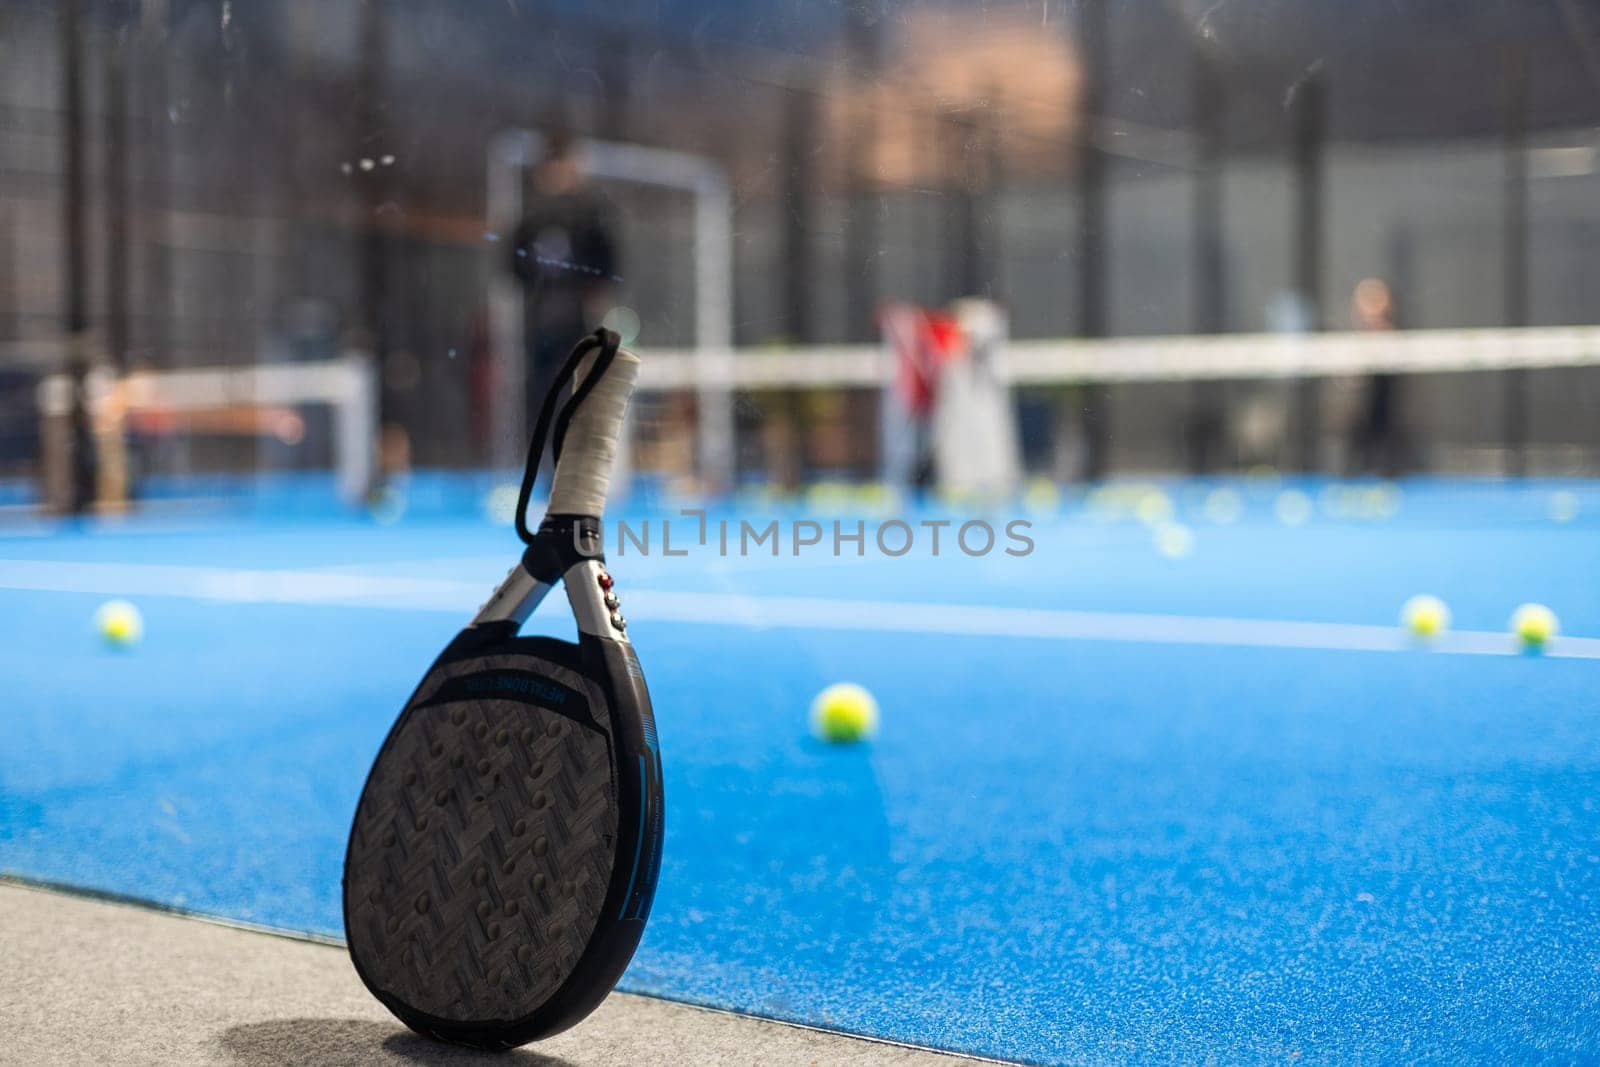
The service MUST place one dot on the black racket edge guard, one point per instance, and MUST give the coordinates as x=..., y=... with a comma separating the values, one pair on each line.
x=561, y=541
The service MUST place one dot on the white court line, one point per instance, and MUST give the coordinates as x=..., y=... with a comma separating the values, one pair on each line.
x=332, y=588
x=233, y=584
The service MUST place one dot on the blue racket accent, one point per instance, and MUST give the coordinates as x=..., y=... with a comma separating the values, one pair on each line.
x=638, y=848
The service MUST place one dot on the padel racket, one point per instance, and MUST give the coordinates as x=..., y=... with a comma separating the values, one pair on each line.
x=505, y=848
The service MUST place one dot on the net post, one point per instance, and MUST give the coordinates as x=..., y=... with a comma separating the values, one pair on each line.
x=509, y=156
x=356, y=430
x=107, y=427
x=713, y=266
x=55, y=403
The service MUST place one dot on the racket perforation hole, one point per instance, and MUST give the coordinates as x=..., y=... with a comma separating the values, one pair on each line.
x=527, y=735
x=538, y=883
x=458, y=715
x=519, y=827
x=480, y=876
x=554, y=729
x=501, y=736
x=442, y=797
x=524, y=954
x=509, y=865
x=481, y=730
x=484, y=766
x=437, y=748
x=422, y=904
x=541, y=846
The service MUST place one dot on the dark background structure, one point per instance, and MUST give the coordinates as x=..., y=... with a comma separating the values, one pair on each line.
x=212, y=181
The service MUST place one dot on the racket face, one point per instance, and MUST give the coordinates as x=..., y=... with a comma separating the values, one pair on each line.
x=504, y=850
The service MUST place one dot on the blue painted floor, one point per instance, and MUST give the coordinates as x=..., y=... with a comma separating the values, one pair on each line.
x=1059, y=849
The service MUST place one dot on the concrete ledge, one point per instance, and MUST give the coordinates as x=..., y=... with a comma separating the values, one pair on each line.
x=91, y=982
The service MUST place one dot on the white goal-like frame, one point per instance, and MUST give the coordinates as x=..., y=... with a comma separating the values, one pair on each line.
x=511, y=153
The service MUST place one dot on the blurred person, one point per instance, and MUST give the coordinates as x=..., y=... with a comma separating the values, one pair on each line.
x=563, y=253
x=1376, y=439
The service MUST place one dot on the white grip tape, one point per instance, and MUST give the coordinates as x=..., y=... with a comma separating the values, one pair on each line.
x=590, y=448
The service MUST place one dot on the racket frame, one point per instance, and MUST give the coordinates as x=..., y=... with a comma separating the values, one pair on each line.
x=567, y=548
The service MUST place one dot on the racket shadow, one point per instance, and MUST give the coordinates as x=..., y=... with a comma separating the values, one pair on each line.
x=342, y=1042
x=800, y=832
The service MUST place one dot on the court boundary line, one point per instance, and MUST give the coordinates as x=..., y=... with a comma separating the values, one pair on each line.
x=335, y=589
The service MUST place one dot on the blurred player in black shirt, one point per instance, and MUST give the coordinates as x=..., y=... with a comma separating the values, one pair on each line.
x=563, y=254
x=1377, y=443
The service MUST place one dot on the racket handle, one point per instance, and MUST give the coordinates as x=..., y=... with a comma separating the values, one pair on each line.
x=589, y=451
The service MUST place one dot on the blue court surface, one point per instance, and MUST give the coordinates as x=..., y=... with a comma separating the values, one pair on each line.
x=1126, y=806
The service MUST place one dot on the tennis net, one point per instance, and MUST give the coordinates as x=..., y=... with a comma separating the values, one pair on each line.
x=98, y=440
x=1425, y=401
x=1480, y=401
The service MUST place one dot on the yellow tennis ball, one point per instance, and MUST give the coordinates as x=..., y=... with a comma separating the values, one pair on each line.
x=1293, y=507
x=1224, y=506
x=500, y=505
x=1154, y=507
x=1425, y=616
x=1174, y=540
x=119, y=623
x=844, y=713
x=387, y=505
x=1534, y=626
x=1042, y=496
